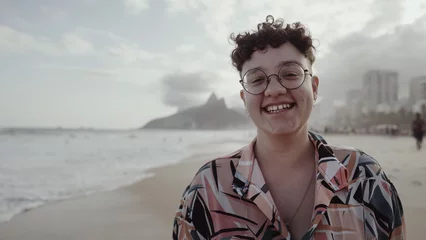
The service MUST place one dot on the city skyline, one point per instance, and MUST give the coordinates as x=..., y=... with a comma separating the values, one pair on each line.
x=410, y=96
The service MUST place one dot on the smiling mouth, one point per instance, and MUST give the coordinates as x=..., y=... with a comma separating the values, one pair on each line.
x=279, y=108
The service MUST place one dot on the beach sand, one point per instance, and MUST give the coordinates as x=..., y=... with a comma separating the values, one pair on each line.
x=145, y=210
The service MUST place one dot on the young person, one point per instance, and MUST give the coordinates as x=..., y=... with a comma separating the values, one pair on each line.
x=418, y=128
x=288, y=183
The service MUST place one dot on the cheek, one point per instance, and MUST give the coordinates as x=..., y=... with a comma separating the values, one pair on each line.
x=253, y=103
x=306, y=93
x=302, y=95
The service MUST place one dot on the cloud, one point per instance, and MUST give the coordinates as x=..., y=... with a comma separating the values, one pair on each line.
x=205, y=60
x=75, y=45
x=55, y=13
x=130, y=53
x=71, y=43
x=106, y=73
x=179, y=6
x=183, y=90
x=91, y=33
x=215, y=16
x=185, y=48
x=12, y=40
x=386, y=14
x=327, y=20
x=401, y=48
x=136, y=6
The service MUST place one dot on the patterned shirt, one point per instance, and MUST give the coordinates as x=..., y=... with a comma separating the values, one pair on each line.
x=229, y=199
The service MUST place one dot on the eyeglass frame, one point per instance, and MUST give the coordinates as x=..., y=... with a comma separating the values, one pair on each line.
x=268, y=77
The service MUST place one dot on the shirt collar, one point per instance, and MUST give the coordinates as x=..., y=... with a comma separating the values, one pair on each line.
x=331, y=171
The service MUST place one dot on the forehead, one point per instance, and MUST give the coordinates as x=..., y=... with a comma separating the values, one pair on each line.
x=270, y=58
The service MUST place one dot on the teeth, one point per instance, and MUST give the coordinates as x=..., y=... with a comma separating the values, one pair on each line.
x=278, y=107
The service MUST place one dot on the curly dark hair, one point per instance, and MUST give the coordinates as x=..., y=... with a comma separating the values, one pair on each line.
x=273, y=33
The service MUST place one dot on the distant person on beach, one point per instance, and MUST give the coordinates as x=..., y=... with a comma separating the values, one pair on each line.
x=288, y=182
x=418, y=128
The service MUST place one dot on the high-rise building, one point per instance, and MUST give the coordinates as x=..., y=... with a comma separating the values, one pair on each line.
x=353, y=95
x=380, y=88
x=354, y=103
x=417, y=89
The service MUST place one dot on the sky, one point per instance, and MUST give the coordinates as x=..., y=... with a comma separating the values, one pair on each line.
x=120, y=63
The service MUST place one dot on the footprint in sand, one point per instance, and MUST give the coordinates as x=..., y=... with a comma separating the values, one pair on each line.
x=416, y=183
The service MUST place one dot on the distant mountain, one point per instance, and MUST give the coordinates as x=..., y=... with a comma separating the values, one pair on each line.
x=212, y=115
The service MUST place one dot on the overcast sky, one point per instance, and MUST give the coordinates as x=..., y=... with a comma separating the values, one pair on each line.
x=120, y=63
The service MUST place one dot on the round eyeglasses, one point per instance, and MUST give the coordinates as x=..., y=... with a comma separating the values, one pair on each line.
x=291, y=76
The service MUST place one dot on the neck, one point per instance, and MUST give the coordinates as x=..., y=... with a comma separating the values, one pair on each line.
x=284, y=150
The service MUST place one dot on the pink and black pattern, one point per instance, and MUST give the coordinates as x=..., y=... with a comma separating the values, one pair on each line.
x=229, y=199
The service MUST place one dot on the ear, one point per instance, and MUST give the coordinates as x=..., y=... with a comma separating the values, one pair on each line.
x=242, y=96
x=315, y=84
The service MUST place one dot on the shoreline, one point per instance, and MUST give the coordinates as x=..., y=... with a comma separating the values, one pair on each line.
x=150, y=173
x=120, y=213
x=195, y=150
x=147, y=174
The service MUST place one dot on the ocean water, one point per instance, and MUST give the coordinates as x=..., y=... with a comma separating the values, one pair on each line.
x=38, y=167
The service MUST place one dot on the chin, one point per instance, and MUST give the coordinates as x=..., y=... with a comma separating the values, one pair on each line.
x=279, y=125
x=282, y=130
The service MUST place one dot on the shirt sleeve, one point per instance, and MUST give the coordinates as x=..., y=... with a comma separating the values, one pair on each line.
x=193, y=217
x=398, y=231
x=182, y=226
x=385, y=214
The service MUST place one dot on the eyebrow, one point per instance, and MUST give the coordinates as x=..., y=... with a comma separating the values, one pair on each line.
x=280, y=64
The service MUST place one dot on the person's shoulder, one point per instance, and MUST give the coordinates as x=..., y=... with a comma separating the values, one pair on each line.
x=371, y=186
x=212, y=177
x=360, y=164
x=218, y=168
x=364, y=170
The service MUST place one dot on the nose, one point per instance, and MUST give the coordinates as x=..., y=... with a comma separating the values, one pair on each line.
x=274, y=87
